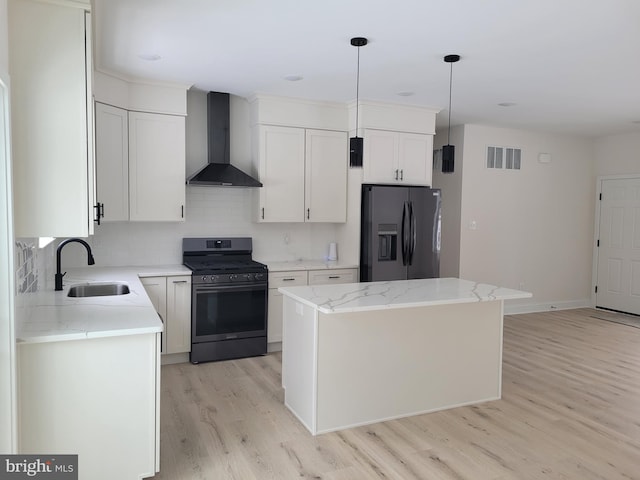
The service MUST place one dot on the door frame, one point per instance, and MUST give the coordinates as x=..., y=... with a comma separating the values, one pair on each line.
x=8, y=373
x=596, y=228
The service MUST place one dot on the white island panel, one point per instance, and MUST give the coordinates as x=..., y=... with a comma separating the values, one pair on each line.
x=375, y=366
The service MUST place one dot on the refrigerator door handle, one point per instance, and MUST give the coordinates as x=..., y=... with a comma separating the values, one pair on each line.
x=405, y=232
x=412, y=233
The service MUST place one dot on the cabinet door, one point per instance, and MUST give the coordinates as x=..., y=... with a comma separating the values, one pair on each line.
x=49, y=119
x=415, y=158
x=178, y=324
x=380, y=162
x=281, y=168
x=156, y=288
x=112, y=162
x=274, y=316
x=274, y=310
x=156, y=167
x=326, y=176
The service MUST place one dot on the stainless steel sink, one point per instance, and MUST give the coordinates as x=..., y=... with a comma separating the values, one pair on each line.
x=98, y=289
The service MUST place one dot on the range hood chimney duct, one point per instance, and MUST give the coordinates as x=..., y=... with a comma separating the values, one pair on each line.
x=219, y=171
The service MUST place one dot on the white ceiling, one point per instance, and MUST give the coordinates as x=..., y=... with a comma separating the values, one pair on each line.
x=570, y=66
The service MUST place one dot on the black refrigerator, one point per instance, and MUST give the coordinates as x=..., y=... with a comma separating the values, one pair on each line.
x=399, y=233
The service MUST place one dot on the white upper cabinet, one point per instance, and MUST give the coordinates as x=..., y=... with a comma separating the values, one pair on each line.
x=301, y=151
x=156, y=167
x=112, y=162
x=326, y=176
x=281, y=153
x=397, y=157
x=50, y=70
x=304, y=175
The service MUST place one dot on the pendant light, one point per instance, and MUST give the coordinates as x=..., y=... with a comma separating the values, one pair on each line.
x=356, y=143
x=448, y=151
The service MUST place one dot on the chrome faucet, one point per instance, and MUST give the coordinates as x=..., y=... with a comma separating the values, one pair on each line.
x=90, y=260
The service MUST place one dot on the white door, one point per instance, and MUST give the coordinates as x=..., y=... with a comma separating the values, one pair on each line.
x=618, y=264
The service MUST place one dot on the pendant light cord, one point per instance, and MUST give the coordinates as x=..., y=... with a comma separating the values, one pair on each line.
x=450, y=84
x=358, y=91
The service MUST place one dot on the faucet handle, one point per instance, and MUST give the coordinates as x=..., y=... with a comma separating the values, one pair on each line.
x=58, y=278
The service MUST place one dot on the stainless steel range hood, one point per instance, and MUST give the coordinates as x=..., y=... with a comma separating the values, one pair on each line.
x=219, y=171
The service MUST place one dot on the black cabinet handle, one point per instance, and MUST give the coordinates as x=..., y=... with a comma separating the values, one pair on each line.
x=262, y=213
x=307, y=214
x=98, y=207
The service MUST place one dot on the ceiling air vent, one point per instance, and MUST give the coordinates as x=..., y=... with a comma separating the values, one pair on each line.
x=505, y=158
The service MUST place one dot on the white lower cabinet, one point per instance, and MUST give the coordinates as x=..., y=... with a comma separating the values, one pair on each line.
x=296, y=278
x=98, y=398
x=274, y=311
x=171, y=297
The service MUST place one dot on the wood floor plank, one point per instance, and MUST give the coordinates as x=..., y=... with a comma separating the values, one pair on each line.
x=570, y=409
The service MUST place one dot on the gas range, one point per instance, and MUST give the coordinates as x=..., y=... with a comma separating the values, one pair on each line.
x=229, y=299
x=222, y=261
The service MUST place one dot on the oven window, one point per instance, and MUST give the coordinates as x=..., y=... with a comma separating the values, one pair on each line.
x=230, y=311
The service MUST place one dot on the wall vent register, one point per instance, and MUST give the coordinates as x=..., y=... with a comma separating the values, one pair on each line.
x=505, y=158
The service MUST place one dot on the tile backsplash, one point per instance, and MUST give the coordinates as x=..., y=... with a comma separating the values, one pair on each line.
x=26, y=266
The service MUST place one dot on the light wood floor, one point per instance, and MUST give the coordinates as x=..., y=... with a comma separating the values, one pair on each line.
x=570, y=409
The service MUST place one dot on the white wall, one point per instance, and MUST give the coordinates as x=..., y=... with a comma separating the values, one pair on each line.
x=451, y=187
x=534, y=226
x=617, y=154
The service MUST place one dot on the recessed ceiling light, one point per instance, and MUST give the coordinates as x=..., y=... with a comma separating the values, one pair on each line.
x=293, y=78
x=149, y=57
x=405, y=94
x=507, y=104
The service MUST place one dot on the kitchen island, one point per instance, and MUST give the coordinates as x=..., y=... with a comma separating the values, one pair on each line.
x=360, y=353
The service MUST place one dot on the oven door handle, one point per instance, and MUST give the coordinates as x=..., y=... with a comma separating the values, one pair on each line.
x=202, y=288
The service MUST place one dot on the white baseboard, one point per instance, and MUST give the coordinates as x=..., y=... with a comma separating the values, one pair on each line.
x=171, y=358
x=546, y=307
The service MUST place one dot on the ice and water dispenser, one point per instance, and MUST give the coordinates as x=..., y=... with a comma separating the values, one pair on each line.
x=387, y=241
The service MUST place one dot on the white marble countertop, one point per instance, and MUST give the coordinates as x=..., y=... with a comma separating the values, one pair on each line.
x=302, y=264
x=358, y=297
x=53, y=316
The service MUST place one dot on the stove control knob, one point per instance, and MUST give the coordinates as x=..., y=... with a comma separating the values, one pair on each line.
x=204, y=278
x=233, y=277
x=214, y=278
x=249, y=277
x=259, y=276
